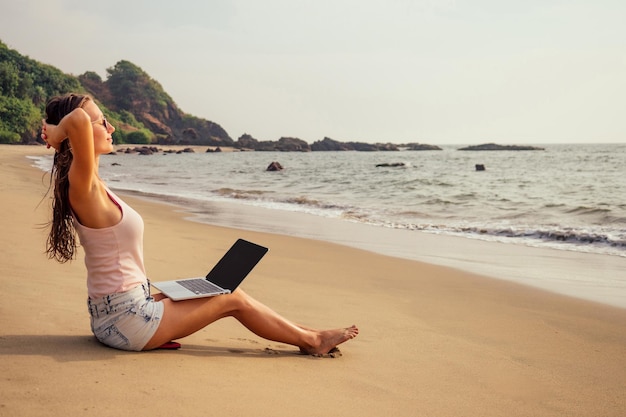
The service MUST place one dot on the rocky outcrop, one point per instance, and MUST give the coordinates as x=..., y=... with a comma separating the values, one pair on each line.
x=141, y=150
x=246, y=141
x=190, y=134
x=391, y=164
x=155, y=124
x=274, y=166
x=328, y=144
x=151, y=150
x=496, y=147
x=284, y=144
x=421, y=147
x=386, y=147
x=140, y=101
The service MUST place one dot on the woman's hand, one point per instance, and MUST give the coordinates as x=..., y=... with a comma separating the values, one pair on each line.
x=53, y=135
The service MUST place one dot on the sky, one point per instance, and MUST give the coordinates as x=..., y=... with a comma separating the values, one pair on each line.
x=399, y=71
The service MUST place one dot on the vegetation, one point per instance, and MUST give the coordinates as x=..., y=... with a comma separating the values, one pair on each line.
x=143, y=136
x=131, y=100
x=129, y=84
x=25, y=85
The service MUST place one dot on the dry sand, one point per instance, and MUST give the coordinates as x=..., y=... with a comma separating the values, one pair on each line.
x=441, y=343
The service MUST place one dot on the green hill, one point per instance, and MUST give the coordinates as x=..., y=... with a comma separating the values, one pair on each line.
x=135, y=103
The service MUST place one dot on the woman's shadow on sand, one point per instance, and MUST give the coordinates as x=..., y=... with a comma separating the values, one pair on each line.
x=77, y=348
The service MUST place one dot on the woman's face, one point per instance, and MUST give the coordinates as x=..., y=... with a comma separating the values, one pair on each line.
x=102, y=129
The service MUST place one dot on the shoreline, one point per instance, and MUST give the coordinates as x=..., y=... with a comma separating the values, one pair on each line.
x=591, y=277
x=587, y=276
x=434, y=340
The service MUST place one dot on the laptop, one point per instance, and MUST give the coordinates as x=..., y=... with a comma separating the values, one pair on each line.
x=224, y=278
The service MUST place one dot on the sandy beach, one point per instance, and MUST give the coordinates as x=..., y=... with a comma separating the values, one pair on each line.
x=434, y=341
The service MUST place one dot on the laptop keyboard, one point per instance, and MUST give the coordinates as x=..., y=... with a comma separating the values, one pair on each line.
x=200, y=286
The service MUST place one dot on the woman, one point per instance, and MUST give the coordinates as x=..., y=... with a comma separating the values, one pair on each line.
x=123, y=313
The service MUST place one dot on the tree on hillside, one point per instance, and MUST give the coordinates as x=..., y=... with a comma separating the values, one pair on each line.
x=19, y=120
x=32, y=74
x=130, y=85
x=9, y=78
x=95, y=86
x=25, y=85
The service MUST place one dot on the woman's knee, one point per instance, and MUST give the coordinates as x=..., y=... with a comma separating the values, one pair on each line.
x=239, y=301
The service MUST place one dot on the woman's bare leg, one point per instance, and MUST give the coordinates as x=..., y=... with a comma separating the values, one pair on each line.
x=182, y=318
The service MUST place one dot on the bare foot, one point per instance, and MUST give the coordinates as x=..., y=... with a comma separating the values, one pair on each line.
x=329, y=339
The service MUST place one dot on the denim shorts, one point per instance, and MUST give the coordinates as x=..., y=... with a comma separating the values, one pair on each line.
x=126, y=320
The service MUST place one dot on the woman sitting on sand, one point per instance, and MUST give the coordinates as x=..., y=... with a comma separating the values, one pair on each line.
x=124, y=315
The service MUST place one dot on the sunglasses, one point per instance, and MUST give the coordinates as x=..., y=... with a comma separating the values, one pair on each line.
x=103, y=122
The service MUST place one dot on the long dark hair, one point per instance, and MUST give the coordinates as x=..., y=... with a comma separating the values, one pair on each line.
x=61, y=244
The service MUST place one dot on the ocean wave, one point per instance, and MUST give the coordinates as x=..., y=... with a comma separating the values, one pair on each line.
x=270, y=199
x=465, y=196
x=438, y=202
x=239, y=194
x=537, y=235
x=305, y=201
x=547, y=235
x=42, y=162
x=586, y=211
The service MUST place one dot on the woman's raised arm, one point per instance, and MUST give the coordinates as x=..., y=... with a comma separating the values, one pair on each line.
x=77, y=129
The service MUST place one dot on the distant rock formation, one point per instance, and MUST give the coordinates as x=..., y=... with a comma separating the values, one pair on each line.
x=151, y=150
x=328, y=144
x=284, y=144
x=496, y=147
x=421, y=147
x=246, y=141
x=141, y=150
x=386, y=147
x=287, y=144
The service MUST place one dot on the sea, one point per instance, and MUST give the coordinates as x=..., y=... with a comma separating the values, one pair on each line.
x=552, y=218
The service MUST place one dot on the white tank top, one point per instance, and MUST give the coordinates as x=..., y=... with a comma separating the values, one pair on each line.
x=113, y=255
